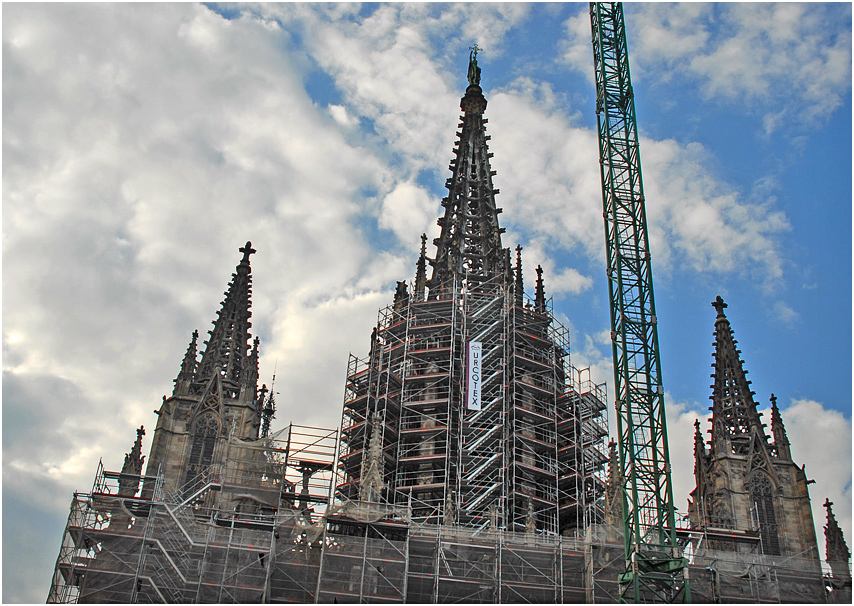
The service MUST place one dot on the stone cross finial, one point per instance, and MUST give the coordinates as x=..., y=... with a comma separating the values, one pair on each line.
x=719, y=305
x=247, y=250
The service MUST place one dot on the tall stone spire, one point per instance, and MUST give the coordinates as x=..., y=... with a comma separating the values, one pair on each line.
x=734, y=414
x=778, y=430
x=519, y=293
x=469, y=246
x=837, y=551
x=188, y=367
x=227, y=349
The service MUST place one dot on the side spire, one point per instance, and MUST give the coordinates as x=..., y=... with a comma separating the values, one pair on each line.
x=227, y=349
x=132, y=466
x=188, y=367
x=469, y=246
x=837, y=551
x=778, y=430
x=734, y=413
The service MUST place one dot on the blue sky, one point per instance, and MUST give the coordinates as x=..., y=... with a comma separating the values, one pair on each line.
x=144, y=144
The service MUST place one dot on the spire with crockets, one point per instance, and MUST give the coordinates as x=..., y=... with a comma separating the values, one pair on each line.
x=469, y=247
x=227, y=350
x=734, y=414
x=837, y=550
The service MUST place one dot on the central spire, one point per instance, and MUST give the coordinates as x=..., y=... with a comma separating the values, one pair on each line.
x=469, y=247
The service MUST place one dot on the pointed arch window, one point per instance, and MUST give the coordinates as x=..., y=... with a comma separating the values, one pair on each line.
x=204, y=434
x=762, y=500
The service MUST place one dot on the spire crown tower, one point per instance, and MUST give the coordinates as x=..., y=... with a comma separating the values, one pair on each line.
x=469, y=246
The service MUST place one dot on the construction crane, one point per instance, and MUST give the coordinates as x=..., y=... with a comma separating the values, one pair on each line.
x=655, y=569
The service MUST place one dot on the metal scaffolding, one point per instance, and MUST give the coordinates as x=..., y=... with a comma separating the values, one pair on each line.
x=170, y=548
x=529, y=458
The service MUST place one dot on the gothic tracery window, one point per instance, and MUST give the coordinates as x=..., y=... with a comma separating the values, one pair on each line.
x=762, y=499
x=204, y=434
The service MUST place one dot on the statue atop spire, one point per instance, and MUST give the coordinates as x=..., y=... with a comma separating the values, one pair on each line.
x=474, y=70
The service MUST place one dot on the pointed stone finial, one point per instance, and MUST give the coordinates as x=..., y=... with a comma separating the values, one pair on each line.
x=372, y=481
x=420, y=287
x=401, y=297
x=778, y=430
x=530, y=518
x=699, y=450
x=493, y=517
x=450, y=511
x=188, y=367
x=540, y=295
x=520, y=286
x=837, y=550
x=613, y=486
x=132, y=466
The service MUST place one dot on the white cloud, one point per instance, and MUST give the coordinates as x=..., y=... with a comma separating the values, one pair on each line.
x=784, y=313
x=701, y=223
x=342, y=116
x=799, y=55
x=695, y=221
x=408, y=210
x=804, y=45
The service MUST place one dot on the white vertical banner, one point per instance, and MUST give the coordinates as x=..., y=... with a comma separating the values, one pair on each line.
x=475, y=375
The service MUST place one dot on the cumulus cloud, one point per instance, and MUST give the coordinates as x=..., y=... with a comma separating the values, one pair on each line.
x=807, y=46
x=136, y=162
x=408, y=210
x=702, y=223
x=696, y=222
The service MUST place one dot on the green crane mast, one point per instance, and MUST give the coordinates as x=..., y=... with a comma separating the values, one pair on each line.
x=655, y=568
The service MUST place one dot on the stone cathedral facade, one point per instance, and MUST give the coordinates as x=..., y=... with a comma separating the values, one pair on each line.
x=468, y=466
